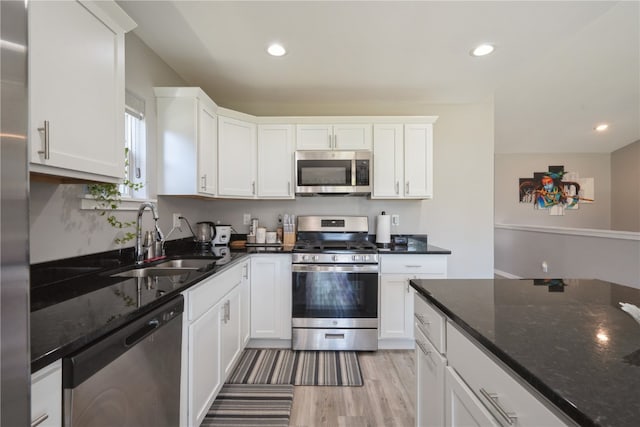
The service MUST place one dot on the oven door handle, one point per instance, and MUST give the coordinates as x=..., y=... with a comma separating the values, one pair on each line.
x=330, y=268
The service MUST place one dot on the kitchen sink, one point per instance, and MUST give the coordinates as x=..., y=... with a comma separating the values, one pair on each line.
x=154, y=272
x=187, y=263
x=174, y=267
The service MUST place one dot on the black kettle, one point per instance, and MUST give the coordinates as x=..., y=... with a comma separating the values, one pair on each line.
x=205, y=232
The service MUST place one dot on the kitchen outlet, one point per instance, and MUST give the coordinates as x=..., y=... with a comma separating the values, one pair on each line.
x=395, y=219
x=246, y=219
x=545, y=267
x=176, y=220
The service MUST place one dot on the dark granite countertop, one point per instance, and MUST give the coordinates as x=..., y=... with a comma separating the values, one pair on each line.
x=76, y=301
x=568, y=339
x=416, y=244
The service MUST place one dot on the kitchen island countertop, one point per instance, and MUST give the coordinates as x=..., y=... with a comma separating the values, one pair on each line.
x=568, y=338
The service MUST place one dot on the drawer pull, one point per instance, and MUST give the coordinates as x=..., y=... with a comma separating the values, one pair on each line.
x=492, y=398
x=423, y=347
x=42, y=418
x=412, y=265
x=334, y=336
x=420, y=318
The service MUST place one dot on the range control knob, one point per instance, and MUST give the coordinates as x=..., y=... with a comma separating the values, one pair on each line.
x=354, y=258
x=315, y=257
x=334, y=258
x=365, y=257
x=305, y=257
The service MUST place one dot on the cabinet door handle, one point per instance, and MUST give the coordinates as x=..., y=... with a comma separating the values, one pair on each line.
x=335, y=141
x=45, y=129
x=492, y=398
x=407, y=188
x=42, y=418
x=227, y=311
x=397, y=187
x=253, y=188
x=423, y=347
x=204, y=181
x=289, y=188
x=246, y=272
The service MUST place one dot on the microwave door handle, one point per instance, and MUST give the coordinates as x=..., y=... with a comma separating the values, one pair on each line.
x=353, y=173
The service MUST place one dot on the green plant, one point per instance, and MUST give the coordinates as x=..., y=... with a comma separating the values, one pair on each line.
x=108, y=197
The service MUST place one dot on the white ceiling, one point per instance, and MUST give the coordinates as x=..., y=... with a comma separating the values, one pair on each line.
x=559, y=68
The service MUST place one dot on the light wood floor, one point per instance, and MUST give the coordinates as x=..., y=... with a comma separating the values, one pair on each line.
x=386, y=399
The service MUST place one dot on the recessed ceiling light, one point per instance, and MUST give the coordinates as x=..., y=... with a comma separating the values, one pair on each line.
x=482, y=50
x=601, y=127
x=276, y=50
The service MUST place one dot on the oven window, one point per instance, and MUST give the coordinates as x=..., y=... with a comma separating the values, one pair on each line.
x=324, y=172
x=335, y=295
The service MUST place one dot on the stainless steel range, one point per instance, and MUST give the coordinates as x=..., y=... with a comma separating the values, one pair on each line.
x=335, y=285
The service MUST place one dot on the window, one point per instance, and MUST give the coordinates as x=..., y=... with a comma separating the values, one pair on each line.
x=135, y=147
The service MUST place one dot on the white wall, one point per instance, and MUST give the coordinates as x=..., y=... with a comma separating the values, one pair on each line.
x=459, y=218
x=510, y=167
x=569, y=253
x=625, y=188
x=59, y=229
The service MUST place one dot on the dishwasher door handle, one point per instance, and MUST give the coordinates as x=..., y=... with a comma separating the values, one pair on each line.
x=141, y=333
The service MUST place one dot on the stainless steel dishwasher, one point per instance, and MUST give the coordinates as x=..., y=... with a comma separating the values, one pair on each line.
x=129, y=378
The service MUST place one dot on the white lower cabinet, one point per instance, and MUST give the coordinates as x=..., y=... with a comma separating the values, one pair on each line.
x=396, y=295
x=430, y=369
x=212, y=339
x=458, y=384
x=230, y=339
x=46, y=396
x=495, y=389
x=396, y=307
x=204, y=377
x=463, y=409
x=271, y=296
x=245, y=304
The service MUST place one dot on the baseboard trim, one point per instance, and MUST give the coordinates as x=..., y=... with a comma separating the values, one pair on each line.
x=268, y=343
x=396, y=344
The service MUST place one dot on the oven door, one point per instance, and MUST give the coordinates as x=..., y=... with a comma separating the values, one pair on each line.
x=335, y=295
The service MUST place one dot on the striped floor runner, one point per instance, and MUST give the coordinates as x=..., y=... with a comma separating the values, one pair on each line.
x=284, y=366
x=250, y=405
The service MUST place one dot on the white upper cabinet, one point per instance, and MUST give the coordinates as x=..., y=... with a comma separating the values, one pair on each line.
x=187, y=141
x=418, y=161
x=388, y=161
x=402, y=161
x=333, y=137
x=275, y=161
x=237, y=153
x=76, y=89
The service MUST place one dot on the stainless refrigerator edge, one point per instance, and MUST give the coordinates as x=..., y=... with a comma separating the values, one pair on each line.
x=14, y=217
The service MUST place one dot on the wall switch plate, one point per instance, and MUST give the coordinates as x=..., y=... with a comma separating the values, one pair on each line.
x=176, y=220
x=395, y=219
x=246, y=219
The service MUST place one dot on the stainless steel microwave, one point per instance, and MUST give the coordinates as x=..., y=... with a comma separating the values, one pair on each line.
x=333, y=172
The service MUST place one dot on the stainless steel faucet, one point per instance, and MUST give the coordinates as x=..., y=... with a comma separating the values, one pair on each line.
x=159, y=237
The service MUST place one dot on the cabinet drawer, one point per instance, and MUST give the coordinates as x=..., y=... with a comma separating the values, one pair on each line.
x=205, y=295
x=46, y=396
x=494, y=387
x=430, y=322
x=435, y=265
